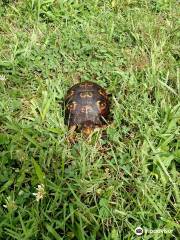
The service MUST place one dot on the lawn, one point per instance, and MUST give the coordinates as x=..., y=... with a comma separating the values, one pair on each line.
x=102, y=188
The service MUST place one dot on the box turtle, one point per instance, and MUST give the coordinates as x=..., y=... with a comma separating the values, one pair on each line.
x=86, y=107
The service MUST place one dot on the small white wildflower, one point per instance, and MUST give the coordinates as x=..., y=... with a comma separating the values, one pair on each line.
x=107, y=173
x=40, y=192
x=21, y=192
x=2, y=78
x=10, y=204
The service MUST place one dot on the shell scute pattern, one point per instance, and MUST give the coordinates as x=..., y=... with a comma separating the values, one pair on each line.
x=87, y=104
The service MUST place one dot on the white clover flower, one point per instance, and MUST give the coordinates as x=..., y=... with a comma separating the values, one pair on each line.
x=2, y=78
x=40, y=192
x=10, y=204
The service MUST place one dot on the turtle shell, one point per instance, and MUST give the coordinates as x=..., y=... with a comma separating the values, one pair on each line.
x=86, y=106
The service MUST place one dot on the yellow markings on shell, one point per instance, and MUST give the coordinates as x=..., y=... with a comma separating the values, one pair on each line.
x=88, y=85
x=102, y=93
x=86, y=109
x=70, y=94
x=101, y=105
x=86, y=94
x=72, y=106
x=87, y=131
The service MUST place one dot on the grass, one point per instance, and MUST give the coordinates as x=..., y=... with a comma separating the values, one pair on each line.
x=101, y=189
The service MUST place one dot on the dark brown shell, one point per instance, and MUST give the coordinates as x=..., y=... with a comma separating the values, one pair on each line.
x=87, y=105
